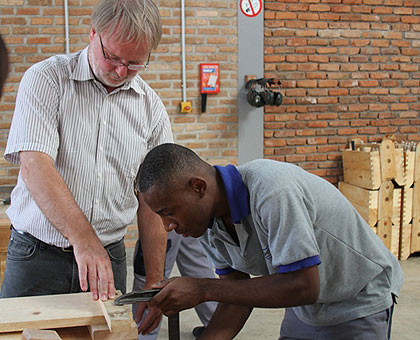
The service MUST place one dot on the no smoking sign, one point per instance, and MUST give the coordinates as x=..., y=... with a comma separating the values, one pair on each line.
x=251, y=8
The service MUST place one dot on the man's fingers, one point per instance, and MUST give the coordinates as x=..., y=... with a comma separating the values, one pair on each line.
x=102, y=282
x=82, y=277
x=93, y=282
x=141, y=307
x=111, y=287
x=150, y=321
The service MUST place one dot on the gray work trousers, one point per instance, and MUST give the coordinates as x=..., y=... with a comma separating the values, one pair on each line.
x=191, y=261
x=36, y=268
x=372, y=327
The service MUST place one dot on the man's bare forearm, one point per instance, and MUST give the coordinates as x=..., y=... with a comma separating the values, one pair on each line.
x=53, y=197
x=153, y=240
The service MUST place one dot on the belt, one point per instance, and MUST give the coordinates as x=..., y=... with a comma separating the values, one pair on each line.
x=24, y=233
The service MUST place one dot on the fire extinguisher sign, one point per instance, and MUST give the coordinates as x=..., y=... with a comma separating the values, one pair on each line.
x=250, y=8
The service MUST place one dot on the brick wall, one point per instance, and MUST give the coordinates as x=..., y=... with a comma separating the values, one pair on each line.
x=34, y=30
x=348, y=68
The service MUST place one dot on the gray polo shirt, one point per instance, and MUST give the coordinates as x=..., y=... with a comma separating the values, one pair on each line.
x=288, y=219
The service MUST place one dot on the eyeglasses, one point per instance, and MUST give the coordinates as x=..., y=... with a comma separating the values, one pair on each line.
x=118, y=62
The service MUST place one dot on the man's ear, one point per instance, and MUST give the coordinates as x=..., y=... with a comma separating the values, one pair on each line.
x=92, y=33
x=199, y=185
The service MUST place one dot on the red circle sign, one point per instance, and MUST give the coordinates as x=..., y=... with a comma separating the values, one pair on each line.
x=250, y=8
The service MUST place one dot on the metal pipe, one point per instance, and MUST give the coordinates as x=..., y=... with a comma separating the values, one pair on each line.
x=184, y=77
x=66, y=25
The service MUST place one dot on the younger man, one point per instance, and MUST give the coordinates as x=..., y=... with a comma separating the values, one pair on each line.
x=309, y=248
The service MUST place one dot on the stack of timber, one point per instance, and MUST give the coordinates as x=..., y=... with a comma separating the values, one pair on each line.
x=382, y=181
x=67, y=317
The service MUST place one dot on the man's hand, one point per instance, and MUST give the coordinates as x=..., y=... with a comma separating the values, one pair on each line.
x=94, y=266
x=177, y=294
x=151, y=320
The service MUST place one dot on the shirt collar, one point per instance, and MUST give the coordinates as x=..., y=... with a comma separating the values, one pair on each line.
x=82, y=72
x=236, y=192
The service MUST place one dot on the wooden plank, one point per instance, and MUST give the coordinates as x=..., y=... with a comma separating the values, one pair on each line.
x=118, y=318
x=385, y=203
x=405, y=242
x=409, y=164
x=384, y=231
x=400, y=173
x=49, y=311
x=38, y=334
x=396, y=206
x=387, y=160
x=71, y=333
x=407, y=205
x=415, y=235
x=102, y=332
x=362, y=168
x=365, y=201
x=417, y=164
x=416, y=199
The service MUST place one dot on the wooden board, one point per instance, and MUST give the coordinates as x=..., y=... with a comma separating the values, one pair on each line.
x=396, y=206
x=416, y=199
x=387, y=160
x=49, y=311
x=72, y=333
x=118, y=318
x=385, y=204
x=365, y=201
x=4, y=243
x=362, y=168
x=405, y=242
x=407, y=205
x=39, y=334
x=384, y=231
x=415, y=235
x=417, y=164
x=102, y=332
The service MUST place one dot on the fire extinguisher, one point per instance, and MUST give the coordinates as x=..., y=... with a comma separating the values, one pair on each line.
x=209, y=82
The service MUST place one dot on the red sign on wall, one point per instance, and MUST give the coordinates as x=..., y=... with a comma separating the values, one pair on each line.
x=250, y=8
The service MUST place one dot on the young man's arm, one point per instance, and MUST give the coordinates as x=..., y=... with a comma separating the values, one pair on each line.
x=274, y=291
x=153, y=244
x=218, y=328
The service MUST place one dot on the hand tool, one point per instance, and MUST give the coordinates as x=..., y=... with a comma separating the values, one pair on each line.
x=136, y=296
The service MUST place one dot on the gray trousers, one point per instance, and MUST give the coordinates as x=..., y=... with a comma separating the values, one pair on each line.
x=373, y=327
x=191, y=261
x=36, y=268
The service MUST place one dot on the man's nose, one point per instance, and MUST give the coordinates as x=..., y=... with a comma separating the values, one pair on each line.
x=122, y=70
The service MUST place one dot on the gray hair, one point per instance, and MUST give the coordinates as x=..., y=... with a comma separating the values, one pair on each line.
x=129, y=20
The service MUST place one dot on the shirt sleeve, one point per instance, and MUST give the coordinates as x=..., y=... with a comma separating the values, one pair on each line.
x=162, y=133
x=35, y=122
x=286, y=216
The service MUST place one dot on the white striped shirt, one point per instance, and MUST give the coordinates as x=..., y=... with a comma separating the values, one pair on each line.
x=97, y=141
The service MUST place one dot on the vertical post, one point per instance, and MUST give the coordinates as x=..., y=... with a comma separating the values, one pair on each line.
x=173, y=327
x=250, y=61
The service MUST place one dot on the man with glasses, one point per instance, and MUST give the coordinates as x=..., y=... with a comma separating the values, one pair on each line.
x=82, y=125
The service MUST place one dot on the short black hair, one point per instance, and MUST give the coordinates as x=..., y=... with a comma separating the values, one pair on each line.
x=4, y=64
x=164, y=163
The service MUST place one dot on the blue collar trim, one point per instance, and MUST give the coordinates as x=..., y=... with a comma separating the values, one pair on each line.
x=236, y=191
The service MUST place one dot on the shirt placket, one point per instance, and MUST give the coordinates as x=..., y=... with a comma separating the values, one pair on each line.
x=100, y=157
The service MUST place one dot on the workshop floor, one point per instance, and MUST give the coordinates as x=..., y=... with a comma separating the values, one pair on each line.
x=264, y=323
